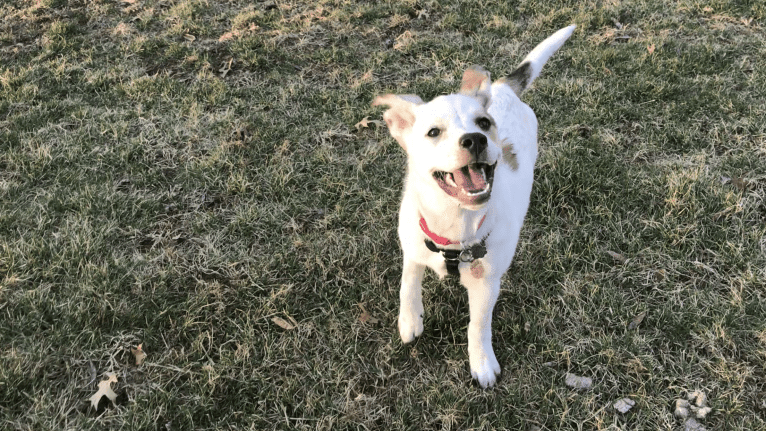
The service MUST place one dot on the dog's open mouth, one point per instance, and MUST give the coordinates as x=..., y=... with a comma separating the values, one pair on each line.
x=470, y=184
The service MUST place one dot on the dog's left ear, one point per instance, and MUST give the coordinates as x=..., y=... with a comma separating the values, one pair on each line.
x=400, y=115
x=476, y=83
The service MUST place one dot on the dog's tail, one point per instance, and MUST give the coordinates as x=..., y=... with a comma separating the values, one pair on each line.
x=529, y=69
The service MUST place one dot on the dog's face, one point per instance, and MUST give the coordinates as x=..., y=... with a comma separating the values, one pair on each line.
x=451, y=143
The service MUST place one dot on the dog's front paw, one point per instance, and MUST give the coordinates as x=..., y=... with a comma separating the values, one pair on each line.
x=484, y=366
x=410, y=326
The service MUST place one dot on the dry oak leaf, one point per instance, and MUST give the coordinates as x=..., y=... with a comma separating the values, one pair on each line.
x=365, y=123
x=617, y=256
x=739, y=183
x=284, y=324
x=139, y=354
x=366, y=317
x=104, y=390
x=636, y=321
x=404, y=40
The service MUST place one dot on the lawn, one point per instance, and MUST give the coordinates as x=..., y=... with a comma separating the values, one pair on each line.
x=195, y=177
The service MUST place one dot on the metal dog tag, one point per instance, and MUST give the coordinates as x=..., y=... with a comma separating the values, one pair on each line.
x=466, y=255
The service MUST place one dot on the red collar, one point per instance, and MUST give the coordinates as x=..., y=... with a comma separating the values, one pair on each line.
x=440, y=239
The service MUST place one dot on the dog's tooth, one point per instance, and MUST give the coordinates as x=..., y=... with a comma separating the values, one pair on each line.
x=450, y=179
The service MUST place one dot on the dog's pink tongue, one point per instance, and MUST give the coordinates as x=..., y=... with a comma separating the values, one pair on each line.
x=470, y=178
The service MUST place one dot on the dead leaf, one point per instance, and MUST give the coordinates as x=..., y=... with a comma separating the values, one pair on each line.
x=190, y=37
x=650, y=48
x=739, y=183
x=636, y=321
x=623, y=405
x=226, y=68
x=707, y=9
x=366, y=317
x=746, y=21
x=578, y=382
x=284, y=324
x=139, y=354
x=404, y=40
x=616, y=256
x=365, y=123
x=104, y=390
x=367, y=77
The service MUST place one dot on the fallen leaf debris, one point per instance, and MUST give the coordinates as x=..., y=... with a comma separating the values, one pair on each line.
x=691, y=408
x=139, y=354
x=104, y=390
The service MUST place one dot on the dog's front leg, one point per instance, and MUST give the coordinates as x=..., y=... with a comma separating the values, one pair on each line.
x=411, y=301
x=482, y=295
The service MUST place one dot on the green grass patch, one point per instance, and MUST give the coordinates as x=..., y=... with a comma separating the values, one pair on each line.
x=180, y=173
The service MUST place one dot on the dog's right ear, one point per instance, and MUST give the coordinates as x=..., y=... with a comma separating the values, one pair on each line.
x=476, y=83
x=400, y=115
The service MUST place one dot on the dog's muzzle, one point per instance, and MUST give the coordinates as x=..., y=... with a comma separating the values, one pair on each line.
x=471, y=184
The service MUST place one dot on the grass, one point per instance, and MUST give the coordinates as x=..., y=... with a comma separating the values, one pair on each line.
x=178, y=173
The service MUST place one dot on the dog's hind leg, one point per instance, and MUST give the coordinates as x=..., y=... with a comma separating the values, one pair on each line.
x=411, y=301
x=482, y=296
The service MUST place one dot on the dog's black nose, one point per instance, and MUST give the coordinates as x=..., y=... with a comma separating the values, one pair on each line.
x=474, y=142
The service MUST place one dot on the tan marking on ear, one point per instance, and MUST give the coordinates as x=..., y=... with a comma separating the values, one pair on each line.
x=473, y=78
x=510, y=156
x=476, y=83
x=399, y=117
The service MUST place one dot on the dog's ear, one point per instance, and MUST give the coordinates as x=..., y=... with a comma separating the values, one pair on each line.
x=476, y=83
x=400, y=115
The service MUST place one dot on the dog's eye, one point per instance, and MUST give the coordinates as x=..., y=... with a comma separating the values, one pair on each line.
x=483, y=123
x=434, y=132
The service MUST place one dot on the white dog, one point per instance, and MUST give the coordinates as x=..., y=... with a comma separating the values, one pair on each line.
x=471, y=158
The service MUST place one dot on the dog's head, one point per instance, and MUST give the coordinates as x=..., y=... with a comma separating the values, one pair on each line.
x=451, y=141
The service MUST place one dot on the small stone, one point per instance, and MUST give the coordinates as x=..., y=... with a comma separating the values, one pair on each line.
x=623, y=405
x=682, y=409
x=691, y=424
x=578, y=382
x=702, y=412
x=698, y=397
